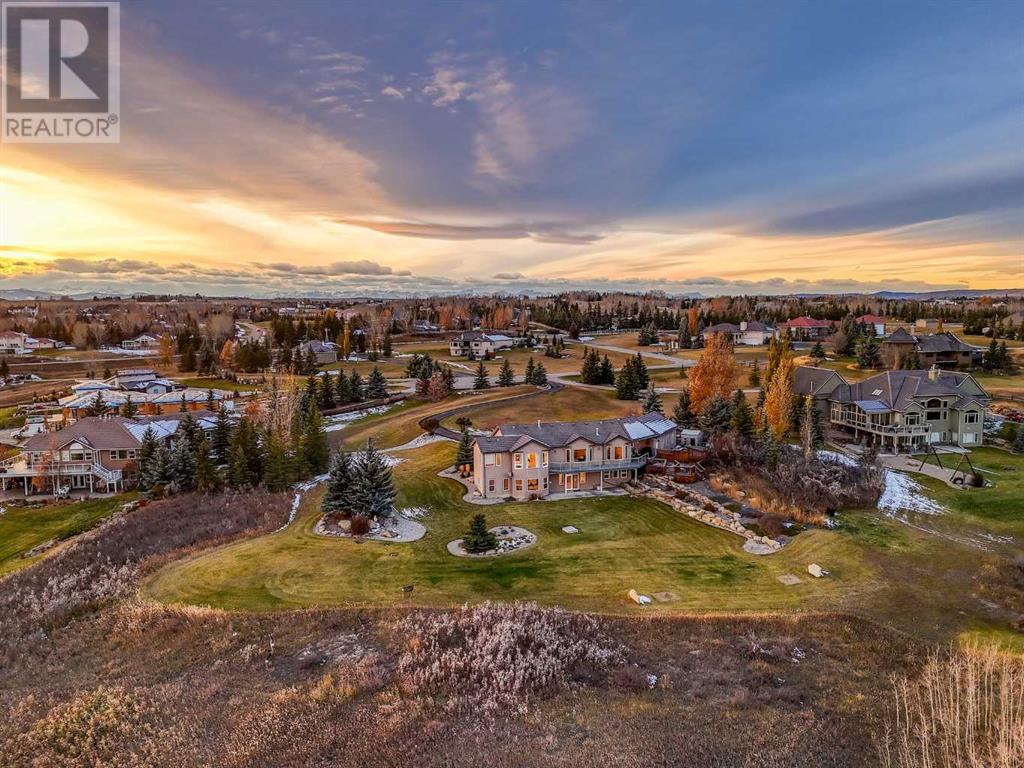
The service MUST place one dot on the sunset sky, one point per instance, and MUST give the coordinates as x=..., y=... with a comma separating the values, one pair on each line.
x=286, y=148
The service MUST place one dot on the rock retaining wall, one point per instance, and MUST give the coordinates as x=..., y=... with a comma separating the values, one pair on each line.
x=697, y=506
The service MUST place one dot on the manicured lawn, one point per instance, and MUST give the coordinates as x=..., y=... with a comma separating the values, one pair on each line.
x=984, y=341
x=1000, y=506
x=623, y=543
x=569, y=404
x=400, y=423
x=23, y=529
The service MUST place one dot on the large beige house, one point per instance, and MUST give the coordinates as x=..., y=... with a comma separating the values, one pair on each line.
x=900, y=410
x=523, y=461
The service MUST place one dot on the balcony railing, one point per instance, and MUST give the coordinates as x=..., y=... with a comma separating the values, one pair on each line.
x=61, y=469
x=885, y=429
x=598, y=465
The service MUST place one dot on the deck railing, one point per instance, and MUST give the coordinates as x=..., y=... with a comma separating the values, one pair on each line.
x=598, y=465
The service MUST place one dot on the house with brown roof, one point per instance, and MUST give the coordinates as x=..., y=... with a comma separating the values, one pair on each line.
x=874, y=322
x=97, y=453
x=523, y=461
x=944, y=350
x=748, y=333
x=900, y=410
x=806, y=328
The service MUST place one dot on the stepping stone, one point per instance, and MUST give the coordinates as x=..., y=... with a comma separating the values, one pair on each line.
x=789, y=579
x=570, y=529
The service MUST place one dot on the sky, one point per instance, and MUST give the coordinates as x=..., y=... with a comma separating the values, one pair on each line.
x=338, y=149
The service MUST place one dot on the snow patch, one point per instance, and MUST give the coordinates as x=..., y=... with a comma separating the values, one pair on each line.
x=418, y=442
x=904, y=494
x=342, y=420
x=838, y=458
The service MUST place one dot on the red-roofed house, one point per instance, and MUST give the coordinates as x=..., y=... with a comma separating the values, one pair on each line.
x=876, y=322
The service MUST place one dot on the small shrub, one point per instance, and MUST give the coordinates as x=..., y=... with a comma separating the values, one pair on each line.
x=360, y=525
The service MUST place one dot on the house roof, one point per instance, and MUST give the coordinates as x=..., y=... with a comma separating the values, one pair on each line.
x=943, y=342
x=754, y=325
x=808, y=379
x=807, y=322
x=99, y=432
x=900, y=336
x=722, y=328
x=870, y=319
x=481, y=336
x=558, y=434
x=897, y=389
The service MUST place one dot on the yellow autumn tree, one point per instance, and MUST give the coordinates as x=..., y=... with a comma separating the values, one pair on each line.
x=715, y=373
x=778, y=403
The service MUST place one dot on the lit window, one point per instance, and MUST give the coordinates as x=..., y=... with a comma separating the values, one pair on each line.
x=579, y=454
x=531, y=461
x=533, y=484
x=517, y=460
x=544, y=459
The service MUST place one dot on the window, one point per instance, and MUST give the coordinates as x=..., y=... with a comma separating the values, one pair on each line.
x=579, y=454
x=971, y=417
x=912, y=419
x=517, y=460
x=619, y=452
x=533, y=484
x=544, y=483
x=504, y=484
x=519, y=485
x=544, y=459
x=490, y=486
x=489, y=459
x=497, y=459
x=531, y=461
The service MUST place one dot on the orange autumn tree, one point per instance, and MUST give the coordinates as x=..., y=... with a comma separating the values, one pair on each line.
x=715, y=372
x=778, y=403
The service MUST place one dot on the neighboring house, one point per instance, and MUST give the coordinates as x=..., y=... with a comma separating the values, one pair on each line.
x=927, y=324
x=80, y=406
x=747, y=333
x=98, y=453
x=16, y=343
x=325, y=352
x=525, y=461
x=806, y=328
x=144, y=341
x=141, y=380
x=479, y=343
x=876, y=323
x=942, y=349
x=424, y=326
x=900, y=410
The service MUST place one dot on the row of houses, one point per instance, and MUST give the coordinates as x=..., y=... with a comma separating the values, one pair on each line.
x=17, y=343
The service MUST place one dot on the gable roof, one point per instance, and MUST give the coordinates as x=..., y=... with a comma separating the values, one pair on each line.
x=899, y=336
x=722, y=328
x=809, y=379
x=870, y=319
x=99, y=432
x=943, y=342
x=807, y=322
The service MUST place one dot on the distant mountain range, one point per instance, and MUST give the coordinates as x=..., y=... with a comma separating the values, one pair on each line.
x=950, y=294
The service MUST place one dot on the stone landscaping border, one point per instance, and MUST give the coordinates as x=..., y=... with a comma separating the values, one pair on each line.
x=504, y=533
x=405, y=531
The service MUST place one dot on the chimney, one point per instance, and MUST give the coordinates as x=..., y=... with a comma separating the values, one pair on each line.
x=933, y=373
x=743, y=325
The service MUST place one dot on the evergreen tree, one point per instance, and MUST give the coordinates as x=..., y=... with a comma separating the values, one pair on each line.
x=158, y=468
x=681, y=413
x=207, y=477
x=478, y=539
x=278, y=466
x=325, y=393
x=129, y=409
x=506, y=376
x=188, y=359
x=386, y=346
x=869, y=354
x=245, y=456
x=189, y=430
x=315, y=450
x=607, y=372
x=480, y=380
x=528, y=375
x=147, y=453
x=337, y=496
x=540, y=375
x=742, y=416
x=652, y=400
x=755, y=374
x=221, y=437
x=590, y=372
x=643, y=378
x=342, y=389
x=355, y=387
x=627, y=384
x=183, y=406
x=376, y=385
x=716, y=416
x=464, y=455
x=99, y=405
x=373, y=491
x=818, y=352
x=5, y=370
x=183, y=465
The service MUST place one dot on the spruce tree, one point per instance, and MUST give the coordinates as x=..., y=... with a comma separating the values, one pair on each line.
x=506, y=376
x=376, y=385
x=325, y=393
x=342, y=389
x=528, y=375
x=818, y=352
x=221, y=437
x=464, y=455
x=643, y=378
x=147, y=454
x=480, y=379
x=189, y=430
x=355, y=386
x=158, y=469
x=373, y=491
x=337, y=496
x=755, y=375
x=478, y=539
x=627, y=384
x=207, y=477
x=590, y=372
x=278, y=468
x=742, y=417
x=129, y=409
x=652, y=400
x=183, y=465
x=315, y=450
x=606, y=371
x=681, y=413
x=540, y=375
x=716, y=416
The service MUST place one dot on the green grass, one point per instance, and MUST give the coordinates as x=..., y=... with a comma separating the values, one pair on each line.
x=569, y=404
x=1000, y=506
x=207, y=383
x=9, y=419
x=623, y=543
x=23, y=529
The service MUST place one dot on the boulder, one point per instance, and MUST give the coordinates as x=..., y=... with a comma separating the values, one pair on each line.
x=815, y=570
